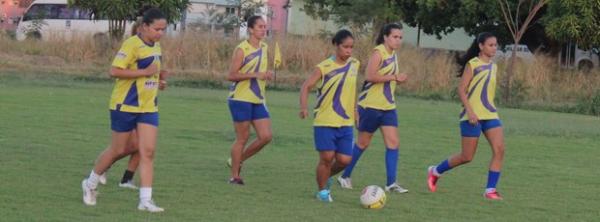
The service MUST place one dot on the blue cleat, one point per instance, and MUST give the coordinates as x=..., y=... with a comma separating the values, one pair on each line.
x=324, y=196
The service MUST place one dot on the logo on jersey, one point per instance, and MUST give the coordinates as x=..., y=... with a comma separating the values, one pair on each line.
x=121, y=55
x=151, y=84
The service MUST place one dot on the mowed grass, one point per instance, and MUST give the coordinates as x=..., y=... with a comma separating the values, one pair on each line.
x=51, y=131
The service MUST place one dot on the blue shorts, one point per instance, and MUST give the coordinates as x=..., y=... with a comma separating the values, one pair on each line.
x=468, y=130
x=245, y=111
x=338, y=139
x=371, y=119
x=125, y=122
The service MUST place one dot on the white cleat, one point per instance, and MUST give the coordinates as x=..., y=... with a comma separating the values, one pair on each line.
x=345, y=183
x=102, y=179
x=89, y=195
x=128, y=184
x=395, y=188
x=149, y=206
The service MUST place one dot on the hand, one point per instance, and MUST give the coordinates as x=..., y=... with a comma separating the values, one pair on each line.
x=162, y=84
x=303, y=113
x=402, y=77
x=164, y=74
x=268, y=75
x=151, y=70
x=473, y=119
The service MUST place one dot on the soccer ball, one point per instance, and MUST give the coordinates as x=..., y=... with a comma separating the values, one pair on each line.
x=372, y=197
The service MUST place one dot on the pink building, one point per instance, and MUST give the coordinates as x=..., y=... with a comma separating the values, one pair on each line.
x=278, y=16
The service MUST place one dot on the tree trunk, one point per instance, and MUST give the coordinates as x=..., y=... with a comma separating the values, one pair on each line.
x=419, y=35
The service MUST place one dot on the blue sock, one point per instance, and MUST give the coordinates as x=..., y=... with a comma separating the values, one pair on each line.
x=443, y=167
x=356, y=153
x=493, y=177
x=391, y=165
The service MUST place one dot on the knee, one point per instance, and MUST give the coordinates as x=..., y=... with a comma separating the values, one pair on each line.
x=147, y=152
x=266, y=137
x=344, y=161
x=242, y=138
x=326, y=162
x=393, y=143
x=498, y=151
x=466, y=158
x=362, y=144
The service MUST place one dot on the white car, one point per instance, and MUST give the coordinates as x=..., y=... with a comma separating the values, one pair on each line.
x=522, y=53
x=55, y=18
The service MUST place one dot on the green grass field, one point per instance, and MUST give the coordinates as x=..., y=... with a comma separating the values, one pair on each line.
x=51, y=131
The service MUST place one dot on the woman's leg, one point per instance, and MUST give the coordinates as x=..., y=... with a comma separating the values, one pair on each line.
x=242, y=133
x=495, y=137
x=390, y=138
x=362, y=143
x=264, y=135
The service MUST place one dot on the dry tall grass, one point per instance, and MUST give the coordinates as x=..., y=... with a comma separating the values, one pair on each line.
x=197, y=56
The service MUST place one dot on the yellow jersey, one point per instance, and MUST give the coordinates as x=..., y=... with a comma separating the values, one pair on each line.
x=255, y=60
x=381, y=95
x=136, y=95
x=336, y=95
x=482, y=90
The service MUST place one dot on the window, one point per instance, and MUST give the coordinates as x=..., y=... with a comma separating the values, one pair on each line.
x=229, y=11
x=55, y=11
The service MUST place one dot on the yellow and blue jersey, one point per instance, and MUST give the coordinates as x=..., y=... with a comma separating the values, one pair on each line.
x=136, y=95
x=381, y=95
x=336, y=95
x=482, y=90
x=255, y=60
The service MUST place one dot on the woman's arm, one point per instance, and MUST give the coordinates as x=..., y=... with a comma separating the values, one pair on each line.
x=306, y=87
x=373, y=66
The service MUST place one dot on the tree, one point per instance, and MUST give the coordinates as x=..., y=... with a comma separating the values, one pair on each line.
x=355, y=13
x=433, y=17
x=577, y=21
x=118, y=12
x=517, y=29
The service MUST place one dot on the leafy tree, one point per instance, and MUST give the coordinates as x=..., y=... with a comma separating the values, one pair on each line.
x=118, y=12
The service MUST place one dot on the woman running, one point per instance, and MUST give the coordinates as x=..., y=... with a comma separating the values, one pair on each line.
x=377, y=106
x=249, y=74
x=334, y=112
x=477, y=91
x=133, y=105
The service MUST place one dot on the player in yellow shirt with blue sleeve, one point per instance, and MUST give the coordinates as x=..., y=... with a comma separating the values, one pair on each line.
x=377, y=106
x=477, y=91
x=246, y=100
x=334, y=113
x=134, y=106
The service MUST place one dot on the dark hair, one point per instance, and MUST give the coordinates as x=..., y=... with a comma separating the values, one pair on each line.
x=252, y=20
x=339, y=37
x=473, y=51
x=151, y=15
x=386, y=30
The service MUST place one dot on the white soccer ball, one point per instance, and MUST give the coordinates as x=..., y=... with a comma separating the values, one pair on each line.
x=372, y=197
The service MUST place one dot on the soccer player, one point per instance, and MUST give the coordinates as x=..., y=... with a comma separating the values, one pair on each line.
x=134, y=105
x=377, y=106
x=335, y=110
x=248, y=72
x=477, y=90
x=134, y=158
